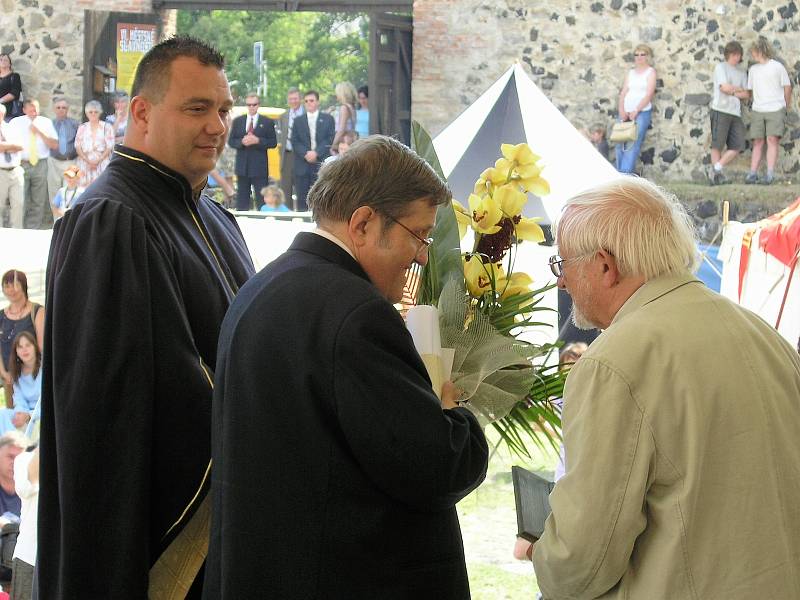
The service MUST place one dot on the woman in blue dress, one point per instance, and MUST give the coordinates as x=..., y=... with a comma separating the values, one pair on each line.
x=26, y=373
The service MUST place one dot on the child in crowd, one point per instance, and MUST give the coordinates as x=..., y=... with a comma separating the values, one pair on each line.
x=273, y=199
x=597, y=135
x=345, y=141
x=67, y=195
x=25, y=370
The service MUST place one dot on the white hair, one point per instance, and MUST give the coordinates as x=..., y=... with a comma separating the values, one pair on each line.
x=644, y=227
x=94, y=104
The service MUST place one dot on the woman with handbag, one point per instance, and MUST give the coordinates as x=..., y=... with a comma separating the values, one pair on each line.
x=10, y=88
x=635, y=107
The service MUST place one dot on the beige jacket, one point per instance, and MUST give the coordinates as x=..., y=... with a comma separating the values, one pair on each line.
x=682, y=436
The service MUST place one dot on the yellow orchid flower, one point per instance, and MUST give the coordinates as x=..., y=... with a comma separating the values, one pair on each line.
x=528, y=171
x=536, y=185
x=510, y=199
x=463, y=218
x=530, y=230
x=480, y=276
x=486, y=214
x=488, y=180
x=520, y=153
x=518, y=283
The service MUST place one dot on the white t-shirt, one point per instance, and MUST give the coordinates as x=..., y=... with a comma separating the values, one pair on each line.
x=728, y=103
x=767, y=82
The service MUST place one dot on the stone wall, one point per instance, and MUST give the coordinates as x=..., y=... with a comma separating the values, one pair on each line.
x=579, y=51
x=45, y=39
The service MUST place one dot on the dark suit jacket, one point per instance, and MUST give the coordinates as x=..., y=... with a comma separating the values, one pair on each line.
x=301, y=141
x=336, y=472
x=251, y=161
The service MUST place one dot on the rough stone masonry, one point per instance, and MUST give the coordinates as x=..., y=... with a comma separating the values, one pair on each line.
x=578, y=52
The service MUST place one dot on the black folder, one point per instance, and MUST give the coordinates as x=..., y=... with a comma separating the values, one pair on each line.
x=532, y=496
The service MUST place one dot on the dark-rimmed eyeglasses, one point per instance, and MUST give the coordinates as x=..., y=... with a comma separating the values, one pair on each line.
x=640, y=53
x=252, y=104
x=556, y=264
x=424, y=242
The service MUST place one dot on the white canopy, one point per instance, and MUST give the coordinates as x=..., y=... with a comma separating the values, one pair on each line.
x=514, y=110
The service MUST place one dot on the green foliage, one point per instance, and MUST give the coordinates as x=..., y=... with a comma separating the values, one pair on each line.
x=535, y=418
x=303, y=49
x=444, y=254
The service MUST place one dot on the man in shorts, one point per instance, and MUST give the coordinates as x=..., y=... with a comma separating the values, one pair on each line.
x=727, y=128
x=772, y=94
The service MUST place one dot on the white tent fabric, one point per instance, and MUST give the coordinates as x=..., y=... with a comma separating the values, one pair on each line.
x=764, y=283
x=514, y=110
x=27, y=249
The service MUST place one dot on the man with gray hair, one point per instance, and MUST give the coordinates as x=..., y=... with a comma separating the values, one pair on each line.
x=63, y=156
x=681, y=421
x=336, y=467
x=12, y=177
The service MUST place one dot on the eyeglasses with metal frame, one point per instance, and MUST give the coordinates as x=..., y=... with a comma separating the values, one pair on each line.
x=556, y=264
x=424, y=242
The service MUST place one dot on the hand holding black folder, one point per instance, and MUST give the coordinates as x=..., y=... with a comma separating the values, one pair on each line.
x=532, y=497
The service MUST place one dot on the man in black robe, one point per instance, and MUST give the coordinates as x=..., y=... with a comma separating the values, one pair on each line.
x=140, y=274
x=336, y=468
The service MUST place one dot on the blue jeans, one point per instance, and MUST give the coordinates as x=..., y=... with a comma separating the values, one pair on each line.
x=628, y=152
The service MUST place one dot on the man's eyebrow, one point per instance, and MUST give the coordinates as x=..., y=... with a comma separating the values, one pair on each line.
x=198, y=100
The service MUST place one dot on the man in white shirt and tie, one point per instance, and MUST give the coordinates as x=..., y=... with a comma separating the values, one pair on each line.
x=38, y=137
x=251, y=135
x=12, y=179
x=311, y=139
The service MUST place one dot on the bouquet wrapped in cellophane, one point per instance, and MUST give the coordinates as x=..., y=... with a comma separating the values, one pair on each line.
x=483, y=304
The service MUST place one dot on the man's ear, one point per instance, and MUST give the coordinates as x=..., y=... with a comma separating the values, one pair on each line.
x=139, y=112
x=608, y=264
x=361, y=222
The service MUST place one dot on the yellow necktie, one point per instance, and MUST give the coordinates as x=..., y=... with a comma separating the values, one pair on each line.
x=33, y=150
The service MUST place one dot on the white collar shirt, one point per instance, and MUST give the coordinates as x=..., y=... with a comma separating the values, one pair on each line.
x=9, y=160
x=312, y=128
x=22, y=127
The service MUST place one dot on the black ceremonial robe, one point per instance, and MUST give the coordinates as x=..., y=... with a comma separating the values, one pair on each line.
x=336, y=471
x=139, y=277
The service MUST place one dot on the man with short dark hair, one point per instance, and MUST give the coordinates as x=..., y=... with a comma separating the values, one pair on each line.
x=727, y=127
x=312, y=136
x=294, y=110
x=63, y=156
x=681, y=421
x=336, y=467
x=38, y=138
x=251, y=135
x=141, y=271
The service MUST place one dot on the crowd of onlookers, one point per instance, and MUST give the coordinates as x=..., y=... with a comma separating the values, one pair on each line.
x=46, y=162
x=21, y=332
x=307, y=136
x=765, y=85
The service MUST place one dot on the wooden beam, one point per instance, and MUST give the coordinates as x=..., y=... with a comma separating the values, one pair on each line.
x=290, y=5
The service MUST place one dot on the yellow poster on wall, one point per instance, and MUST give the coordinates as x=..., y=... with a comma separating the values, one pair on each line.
x=133, y=41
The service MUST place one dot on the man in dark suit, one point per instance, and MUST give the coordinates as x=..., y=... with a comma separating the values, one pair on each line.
x=295, y=109
x=336, y=467
x=251, y=135
x=312, y=136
